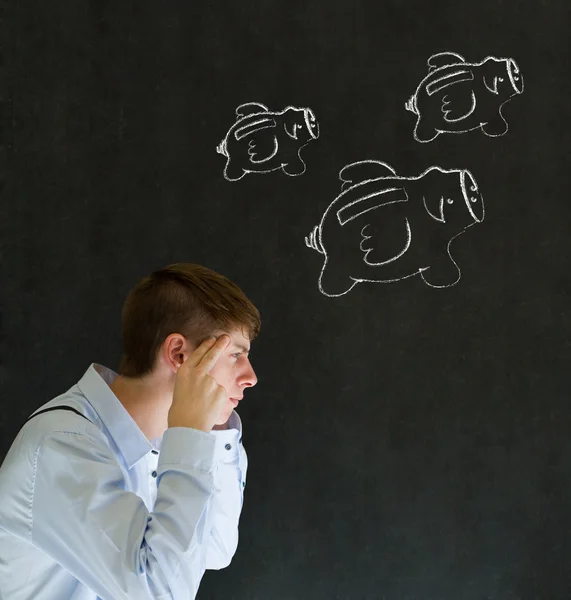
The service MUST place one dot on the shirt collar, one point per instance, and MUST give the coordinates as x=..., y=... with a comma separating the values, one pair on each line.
x=235, y=423
x=128, y=437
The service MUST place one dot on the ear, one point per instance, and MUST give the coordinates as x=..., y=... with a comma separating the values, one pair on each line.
x=293, y=116
x=174, y=351
x=434, y=206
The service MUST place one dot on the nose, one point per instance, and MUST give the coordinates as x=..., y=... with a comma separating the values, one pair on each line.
x=248, y=377
x=472, y=196
x=311, y=122
x=515, y=76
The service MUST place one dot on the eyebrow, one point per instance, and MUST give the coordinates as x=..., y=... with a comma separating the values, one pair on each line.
x=241, y=347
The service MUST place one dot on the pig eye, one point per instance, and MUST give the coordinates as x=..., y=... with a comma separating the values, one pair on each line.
x=473, y=188
x=501, y=78
x=474, y=199
x=449, y=200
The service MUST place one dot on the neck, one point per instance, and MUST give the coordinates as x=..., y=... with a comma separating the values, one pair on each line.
x=147, y=400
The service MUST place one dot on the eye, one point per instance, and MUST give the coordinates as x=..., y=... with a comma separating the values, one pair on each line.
x=500, y=78
x=449, y=200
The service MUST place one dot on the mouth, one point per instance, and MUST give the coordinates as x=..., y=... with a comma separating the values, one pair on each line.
x=234, y=401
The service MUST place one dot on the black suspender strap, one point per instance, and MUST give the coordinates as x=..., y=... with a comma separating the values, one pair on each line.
x=57, y=408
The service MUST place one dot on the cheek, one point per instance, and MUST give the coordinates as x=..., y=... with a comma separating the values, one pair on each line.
x=222, y=373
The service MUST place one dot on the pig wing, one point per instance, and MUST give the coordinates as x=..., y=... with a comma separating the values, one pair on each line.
x=262, y=148
x=378, y=214
x=255, y=132
x=384, y=241
x=443, y=59
x=457, y=103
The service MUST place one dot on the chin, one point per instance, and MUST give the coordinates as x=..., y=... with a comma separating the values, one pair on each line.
x=224, y=416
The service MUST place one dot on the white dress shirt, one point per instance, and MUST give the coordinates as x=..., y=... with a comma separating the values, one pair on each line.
x=92, y=511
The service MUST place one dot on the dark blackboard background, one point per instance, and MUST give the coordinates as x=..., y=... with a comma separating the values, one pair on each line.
x=405, y=443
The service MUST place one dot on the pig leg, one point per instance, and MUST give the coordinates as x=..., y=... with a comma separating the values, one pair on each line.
x=233, y=172
x=424, y=132
x=334, y=280
x=294, y=166
x=443, y=272
x=496, y=126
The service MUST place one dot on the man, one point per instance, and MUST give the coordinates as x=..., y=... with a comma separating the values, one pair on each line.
x=89, y=508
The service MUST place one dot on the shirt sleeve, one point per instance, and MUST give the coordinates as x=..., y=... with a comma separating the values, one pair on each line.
x=84, y=518
x=227, y=503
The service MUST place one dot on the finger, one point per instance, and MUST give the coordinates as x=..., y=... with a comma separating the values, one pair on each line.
x=213, y=353
x=198, y=354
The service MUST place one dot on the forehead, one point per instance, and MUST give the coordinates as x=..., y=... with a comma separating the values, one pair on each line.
x=238, y=338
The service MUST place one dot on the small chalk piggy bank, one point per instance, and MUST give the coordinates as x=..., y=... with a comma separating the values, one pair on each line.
x=457, y=96
x=261, y=141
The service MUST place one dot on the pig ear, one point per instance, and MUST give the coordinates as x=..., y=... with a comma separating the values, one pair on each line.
x=250, y=108
x=443, y=59
x=364, y=170
x=434, y=206
x=292, y=114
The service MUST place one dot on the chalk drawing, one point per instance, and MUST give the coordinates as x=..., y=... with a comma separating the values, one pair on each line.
x=456, y=96
x=383, y=228
x=261, y=141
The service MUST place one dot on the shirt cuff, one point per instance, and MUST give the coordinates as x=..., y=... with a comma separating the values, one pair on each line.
x=226, y=445
x=187, y=446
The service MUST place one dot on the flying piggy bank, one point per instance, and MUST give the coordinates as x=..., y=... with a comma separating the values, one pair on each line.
x=261, y=141
x=457, y=96
x=383, y=228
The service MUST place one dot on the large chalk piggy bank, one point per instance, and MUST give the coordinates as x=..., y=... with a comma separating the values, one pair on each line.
x=261, y=141
x=383, y=228
x=457, y=96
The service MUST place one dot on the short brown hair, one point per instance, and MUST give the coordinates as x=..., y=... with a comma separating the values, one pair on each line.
x=180, y=298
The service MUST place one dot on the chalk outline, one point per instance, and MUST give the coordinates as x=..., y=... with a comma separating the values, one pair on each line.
x=411, y=104
x=267, y=120
x=314, y=239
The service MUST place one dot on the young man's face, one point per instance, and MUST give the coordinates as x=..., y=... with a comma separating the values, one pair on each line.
x=233, y=371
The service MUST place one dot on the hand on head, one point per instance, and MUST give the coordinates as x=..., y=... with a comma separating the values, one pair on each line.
x=198, y=399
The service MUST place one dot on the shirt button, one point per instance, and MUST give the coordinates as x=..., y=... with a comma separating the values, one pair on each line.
x=154, y=451
x=154, y=473
x=228, y=447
